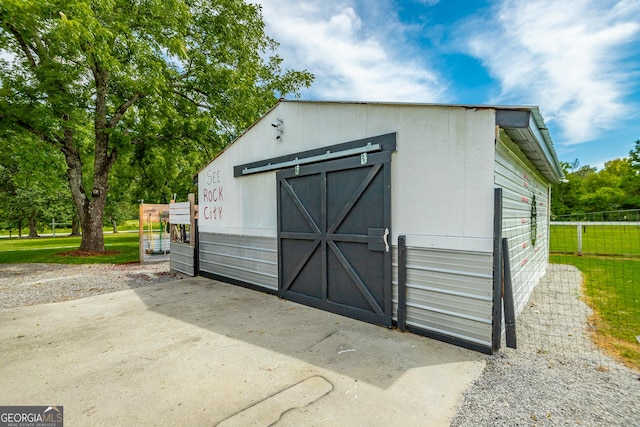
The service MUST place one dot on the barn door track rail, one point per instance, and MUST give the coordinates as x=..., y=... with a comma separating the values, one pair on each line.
x=328, y=155
x=361, y=147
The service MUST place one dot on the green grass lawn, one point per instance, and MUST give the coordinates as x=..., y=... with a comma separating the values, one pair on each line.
x=609, y=240
x=44, y=249
x=612, y=289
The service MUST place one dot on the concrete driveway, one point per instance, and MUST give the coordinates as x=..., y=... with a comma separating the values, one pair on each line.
x=201, y=352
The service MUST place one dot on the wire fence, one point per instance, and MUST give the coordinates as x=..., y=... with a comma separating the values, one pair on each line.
x=588, y=304
x=611, y=216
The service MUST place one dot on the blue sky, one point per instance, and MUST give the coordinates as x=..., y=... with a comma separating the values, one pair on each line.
x=578, y=60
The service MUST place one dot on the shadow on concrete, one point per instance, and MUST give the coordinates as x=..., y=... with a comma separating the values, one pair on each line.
x=364, y=352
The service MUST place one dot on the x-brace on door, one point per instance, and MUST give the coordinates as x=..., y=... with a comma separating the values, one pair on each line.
x=334, y=236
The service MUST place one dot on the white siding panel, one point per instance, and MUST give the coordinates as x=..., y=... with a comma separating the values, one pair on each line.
x=180, y=213
x=442, y=173
x=429, y=320
x=448, y=292
x=182, y=258
x=520, y=184
x=248, y=259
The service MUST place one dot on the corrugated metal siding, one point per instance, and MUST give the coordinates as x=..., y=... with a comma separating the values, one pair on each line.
x=250, y=259
x=161, y=242
x=520, y=184
x=448, y=292
x=182, y=258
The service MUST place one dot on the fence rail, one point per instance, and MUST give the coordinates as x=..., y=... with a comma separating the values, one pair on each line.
x=607, y=216
x=605, y=238
x=585, y=223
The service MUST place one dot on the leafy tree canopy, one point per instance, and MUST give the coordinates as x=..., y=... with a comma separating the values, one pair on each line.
x=103, y=79
x=32, y=183
x=616, y=187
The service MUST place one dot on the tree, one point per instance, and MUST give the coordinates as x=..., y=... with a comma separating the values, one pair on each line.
x=615, y=187
x=634, y=156
x=631, y=181
x=32, y=184
x=565, y=197
x=100, y=78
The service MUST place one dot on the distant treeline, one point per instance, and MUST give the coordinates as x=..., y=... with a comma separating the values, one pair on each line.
x=616, y=187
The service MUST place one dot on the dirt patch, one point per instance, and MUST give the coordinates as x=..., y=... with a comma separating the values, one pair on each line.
x=625, y=352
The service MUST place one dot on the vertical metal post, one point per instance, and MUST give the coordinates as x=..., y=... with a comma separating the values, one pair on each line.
x=497, y=270
x=402, y=283
x=509, y=307
x=53, y=227
x=173, y=230
x=196, y=250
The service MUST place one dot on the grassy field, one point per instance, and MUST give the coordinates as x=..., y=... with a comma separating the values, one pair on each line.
x=602, y=240
x=46, y=249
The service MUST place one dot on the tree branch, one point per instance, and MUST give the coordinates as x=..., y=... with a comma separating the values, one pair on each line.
x=40, y=134
x=41, y=49
x=23, y=45
x=117, y=116
x=194, y=102
x=193, y=89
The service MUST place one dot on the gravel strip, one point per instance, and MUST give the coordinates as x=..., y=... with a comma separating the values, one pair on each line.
x=30, y=284
x=556, y=377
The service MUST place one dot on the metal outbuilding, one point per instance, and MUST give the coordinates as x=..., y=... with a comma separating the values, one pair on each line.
x=391, y=213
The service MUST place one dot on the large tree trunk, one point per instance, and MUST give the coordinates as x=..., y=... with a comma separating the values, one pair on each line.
x=90, y=208
x=33, y=225
x=92, y=237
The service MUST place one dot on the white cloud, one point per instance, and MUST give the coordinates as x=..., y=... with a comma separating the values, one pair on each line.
x=350, y=61
x=568, y=57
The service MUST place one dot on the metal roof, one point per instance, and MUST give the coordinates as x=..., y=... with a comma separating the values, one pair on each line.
x=527, y=130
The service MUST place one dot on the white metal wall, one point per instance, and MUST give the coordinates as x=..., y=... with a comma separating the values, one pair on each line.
x=248, y=259
x=182, y=258
x=442, y=172
x=448, y=293
x=442, y=201
x=516, y=176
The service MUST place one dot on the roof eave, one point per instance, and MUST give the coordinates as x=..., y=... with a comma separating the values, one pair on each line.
x=527, y=129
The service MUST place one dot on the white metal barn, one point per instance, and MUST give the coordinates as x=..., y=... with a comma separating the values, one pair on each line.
x=385, y=212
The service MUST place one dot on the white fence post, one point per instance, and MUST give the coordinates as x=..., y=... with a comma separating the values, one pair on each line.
x=579, y=238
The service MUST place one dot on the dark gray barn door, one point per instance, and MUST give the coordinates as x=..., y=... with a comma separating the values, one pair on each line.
x=334, y=224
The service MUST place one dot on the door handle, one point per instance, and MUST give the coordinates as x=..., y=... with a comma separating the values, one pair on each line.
x=385, y=239
x=378, y=239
